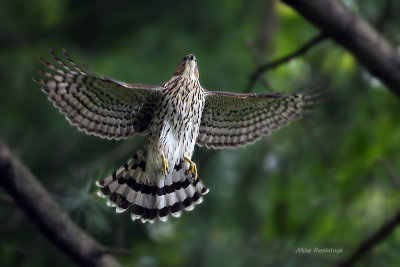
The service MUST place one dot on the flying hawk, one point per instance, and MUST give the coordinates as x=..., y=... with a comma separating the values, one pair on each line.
x=161, y=178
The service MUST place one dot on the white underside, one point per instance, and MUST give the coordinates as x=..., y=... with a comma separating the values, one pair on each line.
x=173, y=150
x=174, y=145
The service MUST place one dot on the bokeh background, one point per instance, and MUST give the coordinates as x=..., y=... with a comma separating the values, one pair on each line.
x=326, y=181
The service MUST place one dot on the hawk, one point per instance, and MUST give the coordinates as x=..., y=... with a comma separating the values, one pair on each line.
x=161, y=178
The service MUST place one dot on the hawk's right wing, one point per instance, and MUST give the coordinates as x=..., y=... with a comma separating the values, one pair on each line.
x=231, y=120
x=97, y=105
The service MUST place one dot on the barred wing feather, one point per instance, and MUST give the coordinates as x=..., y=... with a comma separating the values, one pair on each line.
x=97, y=105
x=231, y=120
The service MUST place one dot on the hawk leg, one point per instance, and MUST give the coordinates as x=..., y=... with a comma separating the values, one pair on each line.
x=192, y=169
x=164, y=164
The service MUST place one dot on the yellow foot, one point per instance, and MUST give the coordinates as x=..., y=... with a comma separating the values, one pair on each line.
x=164, y=164
x=192, y=169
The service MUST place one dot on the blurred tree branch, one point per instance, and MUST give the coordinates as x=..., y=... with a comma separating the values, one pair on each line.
x=260, y=47
x=6, y=200
x=33, y=199
x=356, y=35
x=118, y=251
x=302, y=50
x=394, y=177
x=367, y=244
x=256, y=55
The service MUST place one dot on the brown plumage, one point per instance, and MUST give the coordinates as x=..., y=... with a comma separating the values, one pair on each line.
x=161, y=179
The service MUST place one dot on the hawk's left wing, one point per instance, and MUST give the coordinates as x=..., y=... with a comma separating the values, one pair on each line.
x=231, y=120
x=98, y=105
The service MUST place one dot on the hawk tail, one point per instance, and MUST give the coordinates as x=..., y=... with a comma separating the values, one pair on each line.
x=128, y=187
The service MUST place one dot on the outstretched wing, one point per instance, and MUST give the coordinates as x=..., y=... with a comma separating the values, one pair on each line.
x=98, y=105
x=231, y=120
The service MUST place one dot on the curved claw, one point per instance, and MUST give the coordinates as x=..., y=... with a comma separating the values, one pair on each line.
x=164, y=164
x=192, y=169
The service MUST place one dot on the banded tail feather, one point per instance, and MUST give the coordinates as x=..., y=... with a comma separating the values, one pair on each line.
x=129, y=187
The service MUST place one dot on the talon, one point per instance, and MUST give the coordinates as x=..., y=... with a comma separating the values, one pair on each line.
x=164, y=164
x=192, y=169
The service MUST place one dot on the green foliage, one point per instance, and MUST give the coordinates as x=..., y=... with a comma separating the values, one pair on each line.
x=326, y=181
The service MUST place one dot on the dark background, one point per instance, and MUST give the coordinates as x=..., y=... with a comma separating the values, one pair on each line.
x=327, y=181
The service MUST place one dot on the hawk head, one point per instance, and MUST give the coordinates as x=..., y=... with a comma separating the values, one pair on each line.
x=188, y=67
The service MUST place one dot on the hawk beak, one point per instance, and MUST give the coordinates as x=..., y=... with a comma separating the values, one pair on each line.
x=191, y=57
